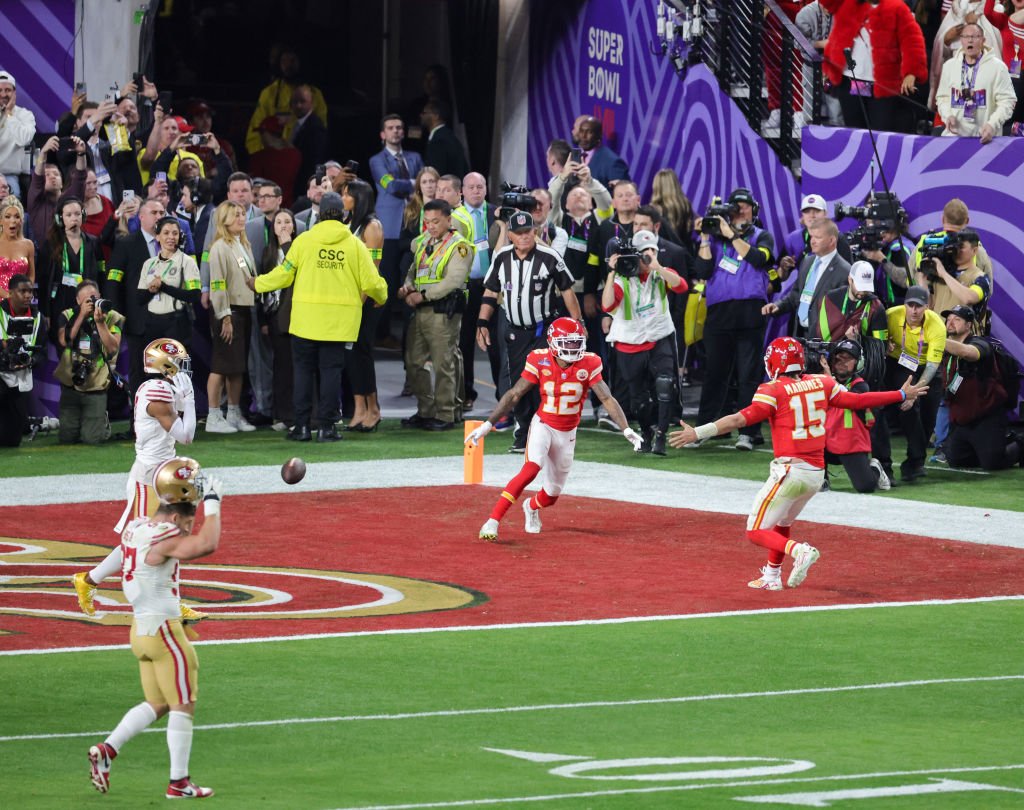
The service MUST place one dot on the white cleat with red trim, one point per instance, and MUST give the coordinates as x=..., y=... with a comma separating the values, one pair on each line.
x=187, y=789
x=770, y=580
x=100, y=757
x=806, y=555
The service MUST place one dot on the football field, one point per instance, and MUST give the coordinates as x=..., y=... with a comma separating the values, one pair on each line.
x=365, y=650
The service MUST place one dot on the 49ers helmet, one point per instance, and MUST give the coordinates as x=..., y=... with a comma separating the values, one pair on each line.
x=567, y=339
x=167, y=357
x=179, y=480
x=784, y=356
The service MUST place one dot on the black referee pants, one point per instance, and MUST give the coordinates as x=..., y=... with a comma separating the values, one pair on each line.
x=518, y=344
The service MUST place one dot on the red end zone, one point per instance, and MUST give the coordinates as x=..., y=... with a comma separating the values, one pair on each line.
x=596, y=559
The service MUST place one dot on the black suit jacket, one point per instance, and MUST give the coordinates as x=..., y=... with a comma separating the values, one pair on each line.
x=445, y=153
x=835, y=275
x=129, y=254
x=311, y=141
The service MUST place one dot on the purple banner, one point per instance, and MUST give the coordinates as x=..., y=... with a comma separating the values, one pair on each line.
x=927, y=173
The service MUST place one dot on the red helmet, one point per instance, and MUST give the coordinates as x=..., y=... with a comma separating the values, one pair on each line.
x=784, y=355
x=567, y=339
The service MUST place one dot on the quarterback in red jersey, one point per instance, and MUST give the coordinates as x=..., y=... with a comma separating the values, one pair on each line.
x=565, y=372
x=795, y=405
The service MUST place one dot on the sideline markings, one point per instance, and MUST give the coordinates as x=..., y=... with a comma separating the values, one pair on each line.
x=544, y=707
x=459, y=628
x=674, y=788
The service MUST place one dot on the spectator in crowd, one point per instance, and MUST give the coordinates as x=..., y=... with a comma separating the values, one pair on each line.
x=975, y=96
x=273, y=311
x=158, y=190
x=736, y=268
x=196, y=207
x=436, y=87
x=444, y=151
x=963, y=284
x=232, y=268
x=848, y=431
x=566, y=174
x=315, y=190
x=435, y=288
x=68, y=257
x=393, y=170
x=643, y=334
x=675, y=207
x=916, y=341
x=306, y=133
x=527, y=276
x=548, y=232
x=1011, y=26
x=327, y=307
x=17, y=128
x=240, y=192
x=18, y=353
x=797, y=245
x=169, y=287
x=815, y=23
x=949, y=41
x=362, y=221
x=481, y=216
x=604, y=164
x=425, y=190
x=888, y=52
x=17, y=254
x=273, y=109
x=819, y=273
x=977, y=398
x=112, y=132
x=449, y=189
x=46, y=188
x=200, y=115
x=123, y=273
x=98, y=218
x=89, y=339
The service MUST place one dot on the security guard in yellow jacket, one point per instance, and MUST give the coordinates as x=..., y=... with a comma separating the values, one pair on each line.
x=436, y=289
x=333, y=274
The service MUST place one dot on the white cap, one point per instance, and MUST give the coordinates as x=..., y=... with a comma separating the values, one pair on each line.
x=814, y=201
x=863, y=275
x=7, y=77
x=642, y=240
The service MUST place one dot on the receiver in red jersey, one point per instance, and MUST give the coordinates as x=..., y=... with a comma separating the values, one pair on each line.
x=563, y=391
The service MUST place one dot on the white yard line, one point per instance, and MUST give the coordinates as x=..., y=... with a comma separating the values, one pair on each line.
x=545, y=707
x=588, y=479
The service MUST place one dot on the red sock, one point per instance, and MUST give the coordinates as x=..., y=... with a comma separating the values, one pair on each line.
x=514, y=489
x=769, y=539
x=542, y=499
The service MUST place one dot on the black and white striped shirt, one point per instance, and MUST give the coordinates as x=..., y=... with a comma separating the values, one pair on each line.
x=528, y=284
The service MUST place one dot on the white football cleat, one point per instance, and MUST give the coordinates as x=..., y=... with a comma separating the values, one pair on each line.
x=770, y=580
x=489, y=531
x=805, y=556
x=532, y=518
x=883, y=480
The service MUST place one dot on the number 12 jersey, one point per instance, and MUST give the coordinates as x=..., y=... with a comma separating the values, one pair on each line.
x=563, y=391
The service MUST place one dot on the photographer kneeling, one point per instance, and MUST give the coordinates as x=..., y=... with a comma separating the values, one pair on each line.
x=22, y=344
x=643, y=334
x=847, y=432
x=90, y=339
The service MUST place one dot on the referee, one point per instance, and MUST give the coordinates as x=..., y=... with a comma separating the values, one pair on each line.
x=527, y=276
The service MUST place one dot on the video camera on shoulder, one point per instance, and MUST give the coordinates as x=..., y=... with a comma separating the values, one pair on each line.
x=515, y=198
x=16, y=353
x=710, y=224
x=883, y=212
x=938, y=248
x=627, y=264
x=816, y=354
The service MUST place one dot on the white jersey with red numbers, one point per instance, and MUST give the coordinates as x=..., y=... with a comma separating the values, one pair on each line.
x=796, y=408
x=563, y=391
x=153, y=444
x=151, y=589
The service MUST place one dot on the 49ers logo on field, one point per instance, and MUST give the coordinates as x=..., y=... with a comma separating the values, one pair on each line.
x=36, y=583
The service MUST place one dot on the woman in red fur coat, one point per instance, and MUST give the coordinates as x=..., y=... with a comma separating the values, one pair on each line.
x=890, y=59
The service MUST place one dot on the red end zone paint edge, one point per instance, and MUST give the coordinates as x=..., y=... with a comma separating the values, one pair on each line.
x=595, y=559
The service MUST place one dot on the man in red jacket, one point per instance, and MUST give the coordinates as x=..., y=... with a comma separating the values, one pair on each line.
x=887, y=49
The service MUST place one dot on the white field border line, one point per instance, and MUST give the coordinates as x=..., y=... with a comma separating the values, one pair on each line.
x=545, y=707
x=458, y=628
x=675, y=788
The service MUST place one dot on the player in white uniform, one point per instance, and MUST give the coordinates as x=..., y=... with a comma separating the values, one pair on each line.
x=165, y=412
x=152, y=550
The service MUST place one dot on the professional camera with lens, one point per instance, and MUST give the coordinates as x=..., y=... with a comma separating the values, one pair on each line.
x=936, y=248
x=883, y=213
x=515, y=198
x=102, y=304
x=81, y=368
x=710, y=224
x=816, y=354
x=15, y=353
x=627, y=264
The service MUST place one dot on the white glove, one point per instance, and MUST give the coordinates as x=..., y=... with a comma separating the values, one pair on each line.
x=633, y=438
x=213, y=492
x=479, y=433
x=183, y=390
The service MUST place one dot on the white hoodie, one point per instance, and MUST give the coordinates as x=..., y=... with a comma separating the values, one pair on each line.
x=994, y=79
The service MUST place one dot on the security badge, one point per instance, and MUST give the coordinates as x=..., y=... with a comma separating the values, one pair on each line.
x=463, y=251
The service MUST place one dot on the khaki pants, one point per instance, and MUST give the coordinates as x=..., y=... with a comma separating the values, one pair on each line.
x=83, y=417
x=435, y=337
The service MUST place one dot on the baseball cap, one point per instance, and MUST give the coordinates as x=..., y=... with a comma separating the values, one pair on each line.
x=815, y=201
x=916, y=295
x=183, y=125
x=961, y=311
x=7, y=77
x=851, y=347
x=863, y=275
x=331, y=203
x=199, y=107
x=644, y=240
x=519, y=221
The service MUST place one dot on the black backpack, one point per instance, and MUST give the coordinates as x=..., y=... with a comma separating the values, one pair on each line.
x=1007, y=371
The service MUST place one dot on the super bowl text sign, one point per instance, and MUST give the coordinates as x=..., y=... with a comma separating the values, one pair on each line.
x=603, y=78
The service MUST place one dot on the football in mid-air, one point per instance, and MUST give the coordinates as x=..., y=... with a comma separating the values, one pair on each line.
x=293, y=470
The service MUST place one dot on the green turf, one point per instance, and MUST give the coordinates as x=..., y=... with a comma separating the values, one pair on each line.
x=442, y=759
x=44, y=456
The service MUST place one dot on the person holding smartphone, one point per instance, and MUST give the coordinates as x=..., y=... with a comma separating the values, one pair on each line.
x=47, y=190
x=17, y=128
